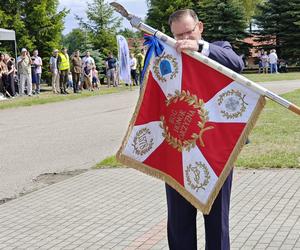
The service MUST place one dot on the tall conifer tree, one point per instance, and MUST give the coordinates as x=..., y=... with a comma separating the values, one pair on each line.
x=102, y=26
x=159, y=12
x=224, y=20
x=280, y=20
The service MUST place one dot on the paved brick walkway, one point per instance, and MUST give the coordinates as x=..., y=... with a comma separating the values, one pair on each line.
x=124, y=209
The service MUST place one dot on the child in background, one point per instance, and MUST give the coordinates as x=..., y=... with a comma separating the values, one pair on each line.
x=70, y=80
x=87, y=72
x=95, y=78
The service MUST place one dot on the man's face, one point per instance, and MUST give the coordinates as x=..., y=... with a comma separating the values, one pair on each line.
x=35, y=53
x=88, y=54
x=187, y=28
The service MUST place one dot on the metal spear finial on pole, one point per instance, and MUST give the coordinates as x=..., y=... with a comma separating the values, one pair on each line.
x=137, y=23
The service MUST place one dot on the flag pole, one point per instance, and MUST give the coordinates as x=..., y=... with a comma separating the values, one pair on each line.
x=137, y=23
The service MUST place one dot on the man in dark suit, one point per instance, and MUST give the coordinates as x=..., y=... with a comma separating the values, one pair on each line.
x=182, y=234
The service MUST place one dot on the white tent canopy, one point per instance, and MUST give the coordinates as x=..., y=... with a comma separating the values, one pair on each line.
x=7, y=35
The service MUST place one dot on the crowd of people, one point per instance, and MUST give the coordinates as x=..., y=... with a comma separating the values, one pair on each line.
x=269, y=63
x=136, y=67
x=76, y=72
x=7, y=75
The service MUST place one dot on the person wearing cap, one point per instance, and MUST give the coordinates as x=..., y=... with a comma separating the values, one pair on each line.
x=24, y=70
x=54, y=72
x=63, y=66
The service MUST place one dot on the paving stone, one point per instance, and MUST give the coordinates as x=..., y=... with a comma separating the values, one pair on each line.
x=95, y=211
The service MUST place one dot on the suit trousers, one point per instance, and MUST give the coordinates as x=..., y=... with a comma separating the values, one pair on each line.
x=182, y=229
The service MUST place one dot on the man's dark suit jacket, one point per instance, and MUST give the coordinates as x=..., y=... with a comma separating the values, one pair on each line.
x=221, y=51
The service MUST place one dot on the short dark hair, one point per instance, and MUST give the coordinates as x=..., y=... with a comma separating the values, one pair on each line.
x=181, y=13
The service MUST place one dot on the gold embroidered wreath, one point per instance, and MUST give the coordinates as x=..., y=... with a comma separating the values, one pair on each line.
x=139, y=134
x=157, y=70
x=240, y=96
x=196, y=184
x=198, y=104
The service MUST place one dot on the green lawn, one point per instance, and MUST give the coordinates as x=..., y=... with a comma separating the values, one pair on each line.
x=109, y=162
x=48, y=97
x=273, y=77
x=275, y=140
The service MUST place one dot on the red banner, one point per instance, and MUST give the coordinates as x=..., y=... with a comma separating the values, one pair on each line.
x=189, y=126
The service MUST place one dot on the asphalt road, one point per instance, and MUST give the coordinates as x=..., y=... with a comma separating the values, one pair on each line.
x=281, y=87
x=67, y=135
x=60, y=137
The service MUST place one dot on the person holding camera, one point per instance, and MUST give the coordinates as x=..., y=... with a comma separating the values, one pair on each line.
x=10, y=84
x=3, y=74
x=24, y=70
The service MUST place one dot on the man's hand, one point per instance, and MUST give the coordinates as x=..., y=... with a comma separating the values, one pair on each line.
x=186, y=45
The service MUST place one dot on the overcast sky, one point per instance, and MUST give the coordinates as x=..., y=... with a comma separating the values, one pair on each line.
x=78, y=7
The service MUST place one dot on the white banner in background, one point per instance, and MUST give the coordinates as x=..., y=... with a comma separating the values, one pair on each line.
x=124, y=60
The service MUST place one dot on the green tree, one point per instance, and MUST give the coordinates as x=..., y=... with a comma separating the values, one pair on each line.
x=44, y=26
x=250, y=7
x=159, y=12
x=280, y=20
x=11, y=17
x=102, y=26
x=44, y=23
x=37, y=23
x=128, y=33
x=76, y=39
x=224, y=20
x=135, y=46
